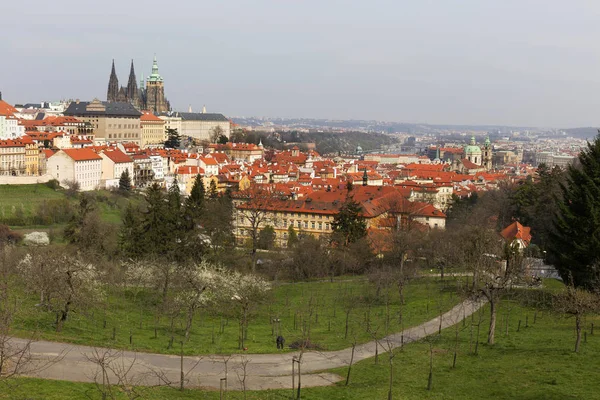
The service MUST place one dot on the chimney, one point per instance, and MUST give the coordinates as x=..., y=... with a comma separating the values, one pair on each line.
x=77, y=101
x=0, y=96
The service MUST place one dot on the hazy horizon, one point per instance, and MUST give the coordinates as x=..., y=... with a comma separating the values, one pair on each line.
x=513, y=63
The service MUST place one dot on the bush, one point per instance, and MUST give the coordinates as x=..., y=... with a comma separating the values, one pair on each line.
x=8, y=236
x=53, y=184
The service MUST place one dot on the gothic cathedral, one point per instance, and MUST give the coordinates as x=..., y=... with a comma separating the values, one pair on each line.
x=147, y=97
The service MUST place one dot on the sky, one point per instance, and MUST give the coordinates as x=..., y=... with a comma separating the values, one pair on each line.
x=505, y=62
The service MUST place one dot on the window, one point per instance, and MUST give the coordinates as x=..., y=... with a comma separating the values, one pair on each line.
x=312, y=225
x=299, y=226
x=327, y=226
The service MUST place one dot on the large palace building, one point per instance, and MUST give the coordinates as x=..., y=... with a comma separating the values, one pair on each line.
x=149, y=96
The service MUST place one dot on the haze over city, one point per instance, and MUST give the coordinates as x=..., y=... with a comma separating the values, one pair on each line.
x=528, y=63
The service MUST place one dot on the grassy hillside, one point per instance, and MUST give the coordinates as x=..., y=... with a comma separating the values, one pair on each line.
x=39, y=206
x=318, y=306
x=533, y=360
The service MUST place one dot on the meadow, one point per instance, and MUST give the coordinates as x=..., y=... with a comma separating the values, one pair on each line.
x=130, y=319
x=533, y=358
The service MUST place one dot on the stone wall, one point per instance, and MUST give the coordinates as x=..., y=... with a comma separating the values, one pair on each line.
x=24, y=180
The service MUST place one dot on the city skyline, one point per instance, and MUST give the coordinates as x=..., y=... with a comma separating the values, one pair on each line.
x=519, y=63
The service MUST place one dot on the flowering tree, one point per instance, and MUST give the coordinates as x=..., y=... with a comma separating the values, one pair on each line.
x=199, y=283
x=68, y=281
x=243, y=291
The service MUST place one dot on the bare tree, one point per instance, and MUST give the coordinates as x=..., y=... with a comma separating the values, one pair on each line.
x=242, y=373
x=117, y=374
x=244, y=292
x=577, y=303
x=255, y=212
x=16, y=358
x=69, y=282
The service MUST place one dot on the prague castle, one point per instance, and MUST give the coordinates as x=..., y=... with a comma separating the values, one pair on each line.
x=149, y=96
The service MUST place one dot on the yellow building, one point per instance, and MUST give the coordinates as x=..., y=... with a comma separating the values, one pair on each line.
x=383, y=207
x=32, y=156
x=112, y=122
x=153, y=130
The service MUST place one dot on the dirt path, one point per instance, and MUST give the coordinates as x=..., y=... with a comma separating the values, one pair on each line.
x=264, y=371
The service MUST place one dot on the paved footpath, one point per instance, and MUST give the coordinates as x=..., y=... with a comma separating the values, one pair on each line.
x=264, y=371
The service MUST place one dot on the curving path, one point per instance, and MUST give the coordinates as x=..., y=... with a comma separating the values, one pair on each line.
x=264, y=371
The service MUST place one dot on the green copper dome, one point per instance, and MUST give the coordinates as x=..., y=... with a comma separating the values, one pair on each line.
x=472, y=148
x=155, y=76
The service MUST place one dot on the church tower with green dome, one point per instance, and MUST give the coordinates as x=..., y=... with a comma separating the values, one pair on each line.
x=473, y=152
x=155, y=91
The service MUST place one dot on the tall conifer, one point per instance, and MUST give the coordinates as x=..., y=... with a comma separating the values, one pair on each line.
x=575, y=246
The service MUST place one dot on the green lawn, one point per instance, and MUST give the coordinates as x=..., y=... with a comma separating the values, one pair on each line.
x=16, y=199
x=535, y=362
x=19, y=205
x=317, y=306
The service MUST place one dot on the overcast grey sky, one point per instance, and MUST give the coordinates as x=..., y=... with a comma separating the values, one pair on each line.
x=513, y=62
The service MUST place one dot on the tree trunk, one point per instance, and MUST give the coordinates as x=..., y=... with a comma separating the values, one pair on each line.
x=188, y=325
x=165, y=290
x=493, y=312
x=350, y=366
x=62, y=317
x=578, y=330
x=347, y=317
x=391, y=375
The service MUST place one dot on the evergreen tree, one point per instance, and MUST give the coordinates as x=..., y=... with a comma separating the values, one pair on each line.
x=575, y=245
x=292, y=237
x=125, y=182
x=154, y=225
x=173, y=139
x=223, y=139
x=266, y=238
x=348, y=224
x=194, y=204
x=73, y=229
x=174, y=214
x=130, y=237
x=213, y=192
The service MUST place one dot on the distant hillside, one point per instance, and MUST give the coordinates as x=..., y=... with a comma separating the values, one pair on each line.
x=583, y=133
x=341, y=142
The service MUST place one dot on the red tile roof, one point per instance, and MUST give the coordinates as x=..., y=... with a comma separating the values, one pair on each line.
x=117, y=156
x=517, y=231
x=84, y=154
x=6, y=109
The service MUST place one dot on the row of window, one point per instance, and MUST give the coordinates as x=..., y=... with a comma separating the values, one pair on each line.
x=123, y=126
x=122, y=136
x=305, y=224
x=299, y=215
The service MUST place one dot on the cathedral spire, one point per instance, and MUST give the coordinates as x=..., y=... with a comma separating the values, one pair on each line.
x=113, y=84
x=132, y=89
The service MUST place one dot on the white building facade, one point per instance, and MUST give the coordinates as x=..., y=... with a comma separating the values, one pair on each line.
x=83, y=166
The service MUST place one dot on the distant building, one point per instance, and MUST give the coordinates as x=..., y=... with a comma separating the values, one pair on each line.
x=553, y=160
x=116, y=121
x=114, y=163
x=196, y=125
x=83, y=166
x=149, y=96
x=153, y=130
x=518, y=234
x=12, y=157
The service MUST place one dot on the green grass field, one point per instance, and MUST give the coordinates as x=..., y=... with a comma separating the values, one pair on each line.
x=535, y=362
x=318, y=306
x=19, y=205
x=15, y=199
